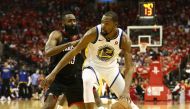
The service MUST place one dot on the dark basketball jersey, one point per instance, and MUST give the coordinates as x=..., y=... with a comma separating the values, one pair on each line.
x=68, y=74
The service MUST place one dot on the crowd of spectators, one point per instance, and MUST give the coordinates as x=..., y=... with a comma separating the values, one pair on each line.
x=26, y=24
x=19, y=81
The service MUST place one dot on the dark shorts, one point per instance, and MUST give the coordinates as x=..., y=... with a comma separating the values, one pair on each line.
x=72, y=91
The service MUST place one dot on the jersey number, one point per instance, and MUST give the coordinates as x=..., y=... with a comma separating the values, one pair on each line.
x=72, y=61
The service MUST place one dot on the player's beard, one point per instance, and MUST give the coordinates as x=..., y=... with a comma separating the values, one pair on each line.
x=105, y=33
x=71, y=30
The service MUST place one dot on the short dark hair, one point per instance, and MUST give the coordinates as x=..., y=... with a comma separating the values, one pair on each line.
x=66, y=13
x=113, y=15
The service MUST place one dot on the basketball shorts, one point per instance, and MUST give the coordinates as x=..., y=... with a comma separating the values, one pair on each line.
x=72, y=91
x=92, y=75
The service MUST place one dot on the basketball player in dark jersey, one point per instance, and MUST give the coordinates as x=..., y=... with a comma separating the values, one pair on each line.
x=69, y=80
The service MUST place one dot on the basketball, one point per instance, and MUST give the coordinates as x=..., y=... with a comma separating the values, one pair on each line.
x=121, y=104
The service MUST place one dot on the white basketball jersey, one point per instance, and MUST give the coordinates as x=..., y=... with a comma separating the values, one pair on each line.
x=103, y=53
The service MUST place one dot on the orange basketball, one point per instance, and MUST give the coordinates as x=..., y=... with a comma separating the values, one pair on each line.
x=121, y=104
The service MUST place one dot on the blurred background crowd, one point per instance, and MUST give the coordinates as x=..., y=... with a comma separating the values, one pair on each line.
x=26, y=24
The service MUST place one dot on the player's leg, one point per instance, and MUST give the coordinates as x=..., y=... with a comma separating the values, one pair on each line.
x=80, y=103
x=62, y=99
x=90, y=78
x=50, y=101
x=97, y=99
x=21, y=90
x=52, y=94
x=117, y=85
x=74, y=93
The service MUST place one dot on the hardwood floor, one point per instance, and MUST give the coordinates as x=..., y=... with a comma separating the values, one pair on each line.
x=35, y=104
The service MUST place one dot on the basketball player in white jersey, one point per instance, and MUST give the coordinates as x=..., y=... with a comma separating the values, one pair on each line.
x=104, y=43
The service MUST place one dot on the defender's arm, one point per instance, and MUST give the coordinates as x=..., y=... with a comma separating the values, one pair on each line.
x=51, y=48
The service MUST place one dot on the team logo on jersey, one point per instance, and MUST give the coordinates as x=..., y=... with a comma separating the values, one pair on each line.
x=105, y=53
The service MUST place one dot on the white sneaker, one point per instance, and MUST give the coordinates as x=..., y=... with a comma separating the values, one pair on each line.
x=113, y=101
x=3, y=98
x=104, y=100
x=12, y=95
x=59, y=107
x=9, y=98
x=101, y=107
x=134, y=106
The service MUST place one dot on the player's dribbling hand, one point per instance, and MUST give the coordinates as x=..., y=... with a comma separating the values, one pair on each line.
x=125, y=96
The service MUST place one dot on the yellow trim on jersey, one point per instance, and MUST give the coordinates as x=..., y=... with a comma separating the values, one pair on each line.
x=22, y=82
x=100, y=87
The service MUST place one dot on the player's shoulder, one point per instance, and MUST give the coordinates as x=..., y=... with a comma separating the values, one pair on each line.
x=123, y=32
x=91, y=35
x=55, y=34
x=125, y=36
x=125, y=40
x=92, y=31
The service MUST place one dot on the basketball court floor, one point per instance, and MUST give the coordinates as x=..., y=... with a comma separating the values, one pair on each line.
x=35, y=104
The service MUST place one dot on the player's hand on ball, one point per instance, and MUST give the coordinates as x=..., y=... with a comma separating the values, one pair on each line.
x=121, y=104
x=125, y=96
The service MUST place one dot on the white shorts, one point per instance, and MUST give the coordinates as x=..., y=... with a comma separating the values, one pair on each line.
x=91, y=76
x=112, y=76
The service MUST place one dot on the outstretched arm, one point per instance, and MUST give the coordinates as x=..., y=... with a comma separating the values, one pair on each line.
x=129, y=69
x=89, y=36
